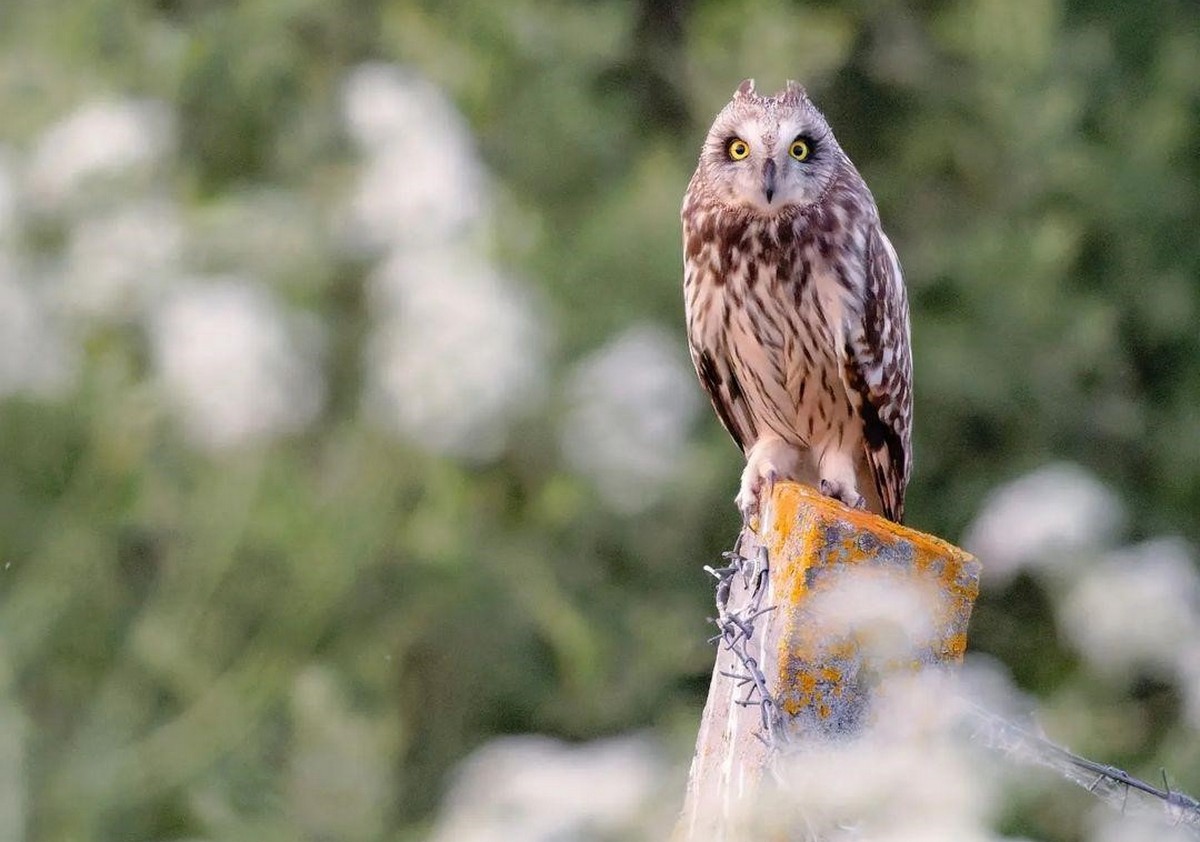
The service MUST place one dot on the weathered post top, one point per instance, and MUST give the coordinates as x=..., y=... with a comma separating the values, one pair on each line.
x=844, y=599
x=853, y=593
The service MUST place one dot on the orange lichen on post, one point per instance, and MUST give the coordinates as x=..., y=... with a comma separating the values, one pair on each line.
x=854, y=599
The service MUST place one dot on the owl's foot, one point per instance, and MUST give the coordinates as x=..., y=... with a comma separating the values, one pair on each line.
x=843, y=492
x=768, y=461
x=754, y=485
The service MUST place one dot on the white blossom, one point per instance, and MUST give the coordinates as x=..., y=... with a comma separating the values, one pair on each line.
x=631, y=404
x=233, y=365
x=456, y=353
x=1109, y=825
x=1136, y=607
x=381, y=102
x=102, y=140
x=909, y=775
x=422, y=180
x=891, y=615
x=1047, y=520
x=538, y=789
x=119, y=263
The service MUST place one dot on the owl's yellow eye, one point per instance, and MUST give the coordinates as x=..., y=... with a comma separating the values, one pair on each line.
x=738, y=149
x=799, y=149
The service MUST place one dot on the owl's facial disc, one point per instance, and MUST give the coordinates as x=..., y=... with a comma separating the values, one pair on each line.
x=769, y=154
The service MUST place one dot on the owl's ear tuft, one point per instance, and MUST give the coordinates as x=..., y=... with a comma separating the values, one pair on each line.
x=745, y=89
x=794, y=92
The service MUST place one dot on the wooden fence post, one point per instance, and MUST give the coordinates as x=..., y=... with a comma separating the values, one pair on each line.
x=846, y=599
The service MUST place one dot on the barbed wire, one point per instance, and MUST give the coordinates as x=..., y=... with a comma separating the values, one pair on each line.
x=736, y=628
x=1108, y=783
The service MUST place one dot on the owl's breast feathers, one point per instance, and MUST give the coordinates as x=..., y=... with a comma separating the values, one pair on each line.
x=713, y=257
x=798, y=327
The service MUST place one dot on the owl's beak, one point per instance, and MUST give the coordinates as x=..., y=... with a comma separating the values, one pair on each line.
x=769, y=179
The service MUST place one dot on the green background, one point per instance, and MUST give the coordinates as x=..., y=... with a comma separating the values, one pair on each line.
x=179, y=624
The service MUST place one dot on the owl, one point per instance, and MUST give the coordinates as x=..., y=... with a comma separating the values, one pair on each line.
x=797, y=316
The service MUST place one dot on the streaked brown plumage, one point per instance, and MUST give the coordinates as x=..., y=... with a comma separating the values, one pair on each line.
x=797, y=314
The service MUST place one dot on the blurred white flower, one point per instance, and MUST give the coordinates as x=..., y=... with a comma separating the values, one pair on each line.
x=120, y=263
x=631, y=404
x=986, y=681
x=910, y=776
x=34, y=356
x=1109, y=825
x=422, y=181
x=891, y=615
x=101, y=140
x=381, y=102
x=537, y=789
x=457, y=352
x=1045, y=520
x=236, y=369
x=1137, y=607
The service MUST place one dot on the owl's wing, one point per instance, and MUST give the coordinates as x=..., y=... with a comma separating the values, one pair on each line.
x=879, y=373
x=725, y=391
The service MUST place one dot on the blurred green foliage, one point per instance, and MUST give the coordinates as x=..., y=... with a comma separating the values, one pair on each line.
x=185, y=636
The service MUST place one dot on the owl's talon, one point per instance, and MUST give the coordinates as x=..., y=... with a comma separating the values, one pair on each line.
x=768, y=482
x=749, y=516
x=747, y=503
x=755, y=487
x=767, y=462
x=843, y=493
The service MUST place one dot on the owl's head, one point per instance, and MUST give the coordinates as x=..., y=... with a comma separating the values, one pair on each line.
x=768, y=154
